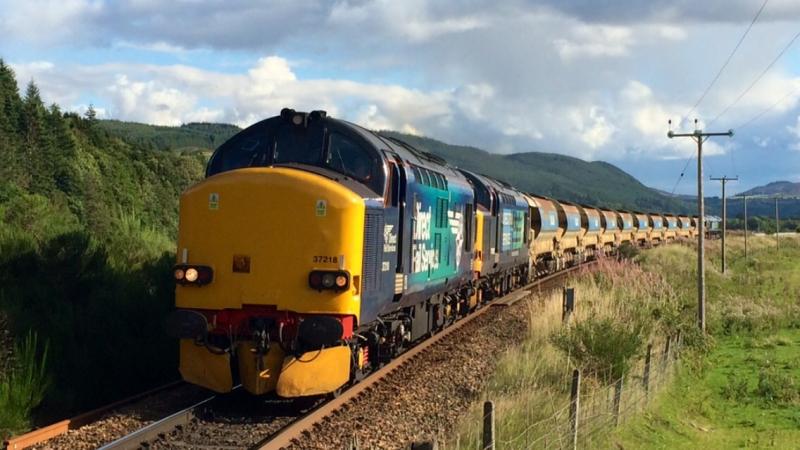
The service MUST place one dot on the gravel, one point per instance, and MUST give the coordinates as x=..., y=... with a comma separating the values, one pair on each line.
x=236, y=421
x=422, y=400
x=127, y=419
x=425, y=398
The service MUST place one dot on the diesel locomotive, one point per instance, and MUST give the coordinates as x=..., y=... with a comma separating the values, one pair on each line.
x=316, y=250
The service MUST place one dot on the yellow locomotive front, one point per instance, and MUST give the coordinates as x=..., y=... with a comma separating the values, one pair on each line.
x=268, y=277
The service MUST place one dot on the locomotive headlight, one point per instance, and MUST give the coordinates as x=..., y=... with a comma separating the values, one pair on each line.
x=191, y=275
x=335, y=280
x=297, y=119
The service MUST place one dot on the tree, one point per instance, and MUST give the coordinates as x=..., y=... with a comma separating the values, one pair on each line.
x=91, y=114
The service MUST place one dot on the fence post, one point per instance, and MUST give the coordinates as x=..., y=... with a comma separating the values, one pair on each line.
x=488, y=425
x=567, y=304
x=646, y=376
x=575, y=407
x=665, y=357
x=617, y=400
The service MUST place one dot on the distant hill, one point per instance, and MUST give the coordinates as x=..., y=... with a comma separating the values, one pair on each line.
x=554, y=175
x=786, y=188
x=191, y=136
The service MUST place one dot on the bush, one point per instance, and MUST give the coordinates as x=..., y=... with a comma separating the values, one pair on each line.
x=628, y=251
x=735, y=390
x=775, y=386
x=601, y=347
x=22, y=389
x=104, y=324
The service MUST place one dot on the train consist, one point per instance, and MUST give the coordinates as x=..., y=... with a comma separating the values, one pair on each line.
x=316, y=250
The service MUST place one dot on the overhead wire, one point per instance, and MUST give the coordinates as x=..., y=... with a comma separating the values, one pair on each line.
x=728, y=60
x=768, y=109
x=713, y=81
x=757, y=79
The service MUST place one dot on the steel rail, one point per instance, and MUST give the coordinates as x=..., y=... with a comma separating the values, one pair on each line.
x=297, y=429
x=154, y=430
x=40, y=435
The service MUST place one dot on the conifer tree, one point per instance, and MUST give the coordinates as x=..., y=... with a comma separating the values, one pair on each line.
x=36, y=144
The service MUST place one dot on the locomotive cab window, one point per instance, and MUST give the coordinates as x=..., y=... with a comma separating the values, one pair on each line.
x=347, y=157
x=247, y=149
x=303, y=145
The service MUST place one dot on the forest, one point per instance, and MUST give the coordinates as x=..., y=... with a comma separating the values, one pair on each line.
x=87, y=228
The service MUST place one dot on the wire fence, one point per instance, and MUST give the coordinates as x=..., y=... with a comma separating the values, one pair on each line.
x=594, y=408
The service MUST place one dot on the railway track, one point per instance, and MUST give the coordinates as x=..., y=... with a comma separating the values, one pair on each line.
x=95, y=427
x=239, y=421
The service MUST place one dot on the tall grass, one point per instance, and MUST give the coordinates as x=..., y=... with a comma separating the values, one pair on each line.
x=23, y=388
x=619, y=309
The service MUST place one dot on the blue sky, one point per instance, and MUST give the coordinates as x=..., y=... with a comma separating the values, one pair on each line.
x=596, y=80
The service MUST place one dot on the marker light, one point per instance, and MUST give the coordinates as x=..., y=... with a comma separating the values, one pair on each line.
x=328, y=280
x=179, y=273
x=341, y=281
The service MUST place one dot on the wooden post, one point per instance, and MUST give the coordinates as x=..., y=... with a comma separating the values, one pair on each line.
x=617, y=400
x=646, y=376
x=567, y=304
x=574, y=408
x=488, y=425
x=665, y=357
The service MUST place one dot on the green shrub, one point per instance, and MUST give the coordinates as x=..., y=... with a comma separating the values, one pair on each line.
x=775, y=386
x=736, y=390
x=628, y=251
x=22, y=389
x=602, y=347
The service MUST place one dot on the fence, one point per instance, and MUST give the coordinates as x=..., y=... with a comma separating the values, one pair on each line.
x=593, y=408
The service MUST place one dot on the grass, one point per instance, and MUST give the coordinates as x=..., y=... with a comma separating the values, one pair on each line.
x=618, y=307
x=738, y=388
x=746, y=397
x=745, y=392
x=23, y=387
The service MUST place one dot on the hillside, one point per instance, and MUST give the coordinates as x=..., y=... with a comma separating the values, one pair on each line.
x=779, y=188
x=87, y=228
x=597, y=183
x=554, y=175
x=191, y=136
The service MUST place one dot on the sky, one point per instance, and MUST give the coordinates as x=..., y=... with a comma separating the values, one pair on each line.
x=598, y=80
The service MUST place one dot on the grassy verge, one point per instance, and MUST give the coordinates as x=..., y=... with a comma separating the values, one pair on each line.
x=746, y=396
x=737, y=387
x=620, y=309
x=745, y=392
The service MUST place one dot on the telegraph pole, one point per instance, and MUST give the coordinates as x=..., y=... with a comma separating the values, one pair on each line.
x=777, y=225
x=745, y=228
x=724, y=180
x=699, y=136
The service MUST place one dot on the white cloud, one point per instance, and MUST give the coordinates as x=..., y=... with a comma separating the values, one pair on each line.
x=795, y=131
x=595, y=41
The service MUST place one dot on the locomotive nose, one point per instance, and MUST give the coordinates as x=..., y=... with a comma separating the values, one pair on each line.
x=278, y=246
x=263, y=231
